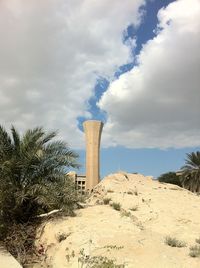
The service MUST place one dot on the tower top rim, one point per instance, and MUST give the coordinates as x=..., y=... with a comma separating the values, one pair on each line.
x=95, y=121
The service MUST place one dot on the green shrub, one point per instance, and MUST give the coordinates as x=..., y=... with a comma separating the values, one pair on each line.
x=194, y=251
x=173, y=242
x=116, y=206
x=170, y=177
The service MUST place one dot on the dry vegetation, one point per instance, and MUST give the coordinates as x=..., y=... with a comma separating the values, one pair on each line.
x=174, y=242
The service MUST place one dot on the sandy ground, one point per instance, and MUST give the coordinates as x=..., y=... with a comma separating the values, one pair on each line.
x=135, y=236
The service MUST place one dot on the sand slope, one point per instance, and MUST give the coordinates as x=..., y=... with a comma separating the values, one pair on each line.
x=135, y=238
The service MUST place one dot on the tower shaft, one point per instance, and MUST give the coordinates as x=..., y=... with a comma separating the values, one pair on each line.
x=92, y=129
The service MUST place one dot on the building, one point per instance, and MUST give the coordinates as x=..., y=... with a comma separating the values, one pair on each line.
x=79, y=181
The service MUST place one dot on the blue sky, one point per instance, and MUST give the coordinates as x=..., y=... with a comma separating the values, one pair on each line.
x=142, y=34
x=153, y=162
x=132, y=64
x=146, y=161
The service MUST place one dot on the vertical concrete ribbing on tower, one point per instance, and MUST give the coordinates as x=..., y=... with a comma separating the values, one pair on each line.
x=92, y=129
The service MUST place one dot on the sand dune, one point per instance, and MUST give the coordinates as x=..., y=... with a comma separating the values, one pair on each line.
x=134, y=236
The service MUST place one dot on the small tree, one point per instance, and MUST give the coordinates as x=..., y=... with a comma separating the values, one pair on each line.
x=170, y=177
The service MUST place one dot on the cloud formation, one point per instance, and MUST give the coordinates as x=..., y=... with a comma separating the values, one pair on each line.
x=156, y=104
x=51, y=54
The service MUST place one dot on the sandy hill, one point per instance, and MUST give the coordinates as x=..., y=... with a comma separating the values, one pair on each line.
x=135, y=235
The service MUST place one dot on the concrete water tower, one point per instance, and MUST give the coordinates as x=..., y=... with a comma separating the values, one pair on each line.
x=92, y=129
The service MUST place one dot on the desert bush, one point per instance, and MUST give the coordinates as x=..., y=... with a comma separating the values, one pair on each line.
x=173, y=242
x=116, y=206
x=106, y=200
x=113, y=247
x=110, y=191
x=194, y=251
x=97, y=261
x=20, y=242
x=125, y=213
x=69, y=254
x=197, y=240
x=61, y=237
x=170, y=177
x=135, y=191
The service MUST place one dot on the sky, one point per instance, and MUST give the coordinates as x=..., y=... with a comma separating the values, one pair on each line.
x=135, y=65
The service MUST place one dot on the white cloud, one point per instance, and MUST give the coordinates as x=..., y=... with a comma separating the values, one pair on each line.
x=52, y=52
x=156, y=104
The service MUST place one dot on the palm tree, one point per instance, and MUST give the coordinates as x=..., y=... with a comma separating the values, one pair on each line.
x=32, y=174
x=191, y=172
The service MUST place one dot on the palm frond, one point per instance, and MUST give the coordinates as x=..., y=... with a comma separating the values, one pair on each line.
x=48, y=137
x=31, y=138
x=6, y=146
x=33, y=173
x=191, y=172
x=16, y=138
